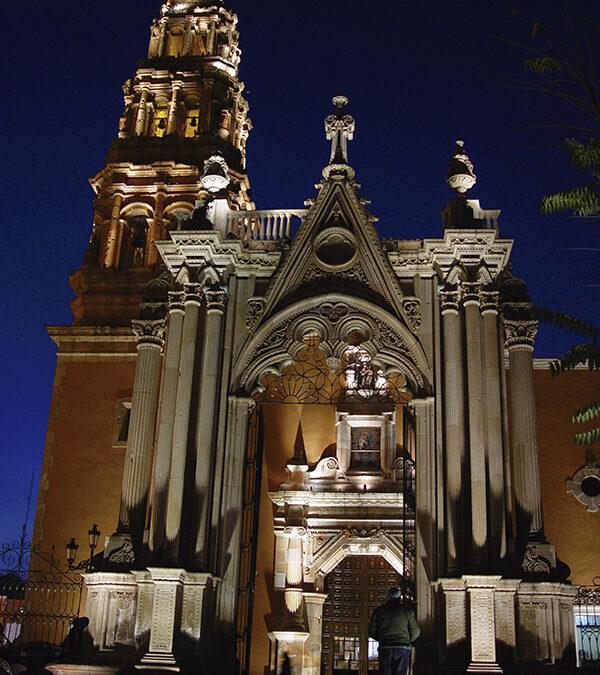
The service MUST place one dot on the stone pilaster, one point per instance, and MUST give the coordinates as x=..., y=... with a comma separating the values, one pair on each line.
x=155, y=228
x=477, y=453
x=493, y=419
x=172, y=120
x=454, y=430
x=124, y=548
x=168, y=399
x=192, y=302
x=232, y=505
x=312, y=647
x=480, y=591
x=205, y=427
x=425, y=530
x=166, y=612
x=520, y=335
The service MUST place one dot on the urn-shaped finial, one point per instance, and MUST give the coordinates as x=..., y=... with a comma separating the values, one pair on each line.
x=460, y=176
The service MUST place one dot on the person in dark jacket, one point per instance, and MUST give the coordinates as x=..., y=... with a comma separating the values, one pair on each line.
x=395, y=627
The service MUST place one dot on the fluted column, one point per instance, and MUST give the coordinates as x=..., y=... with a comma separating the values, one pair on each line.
x=493, y=418
x=476, y=426
x=520, y=335
x=172, y=117
x=112, y=235
x=205, y=428
x=168, y=399
x=293, y=577
x=454, y=418
x=185, y=378
x=142, y=113
x=138, y=458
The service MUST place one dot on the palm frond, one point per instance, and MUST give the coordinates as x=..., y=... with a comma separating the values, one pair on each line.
x=585, y=156
x=562, y=320
x=582, y=201
x=587, y=437
x=588, y=352
x=588, y=413
x=542, y=65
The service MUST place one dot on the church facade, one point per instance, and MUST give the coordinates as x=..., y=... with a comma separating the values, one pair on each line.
x=279, y=415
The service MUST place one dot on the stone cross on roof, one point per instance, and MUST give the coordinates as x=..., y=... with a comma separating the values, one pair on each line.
x=339, y=128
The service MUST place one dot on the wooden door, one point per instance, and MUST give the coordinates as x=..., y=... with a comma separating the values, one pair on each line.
x=354, y=588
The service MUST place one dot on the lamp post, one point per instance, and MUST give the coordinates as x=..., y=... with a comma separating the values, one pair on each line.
x=72, y=547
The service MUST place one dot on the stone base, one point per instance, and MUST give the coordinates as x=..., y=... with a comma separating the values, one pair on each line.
x=82, y=669
x=158, y=661
x=484, y=668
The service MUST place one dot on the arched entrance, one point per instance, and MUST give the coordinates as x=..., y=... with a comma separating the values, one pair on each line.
x=354, y=588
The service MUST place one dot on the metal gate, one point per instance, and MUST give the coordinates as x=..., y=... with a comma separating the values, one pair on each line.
x=38, y=598
x=587, y=625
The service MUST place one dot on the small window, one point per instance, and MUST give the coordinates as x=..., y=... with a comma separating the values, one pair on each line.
x=121, y=424
x=191, y=123
x=159, y=121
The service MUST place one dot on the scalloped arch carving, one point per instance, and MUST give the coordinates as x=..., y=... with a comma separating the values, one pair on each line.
x=332, y=317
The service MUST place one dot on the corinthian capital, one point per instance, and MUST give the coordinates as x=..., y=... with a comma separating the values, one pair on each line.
x=489, y=301
x=449, y=301
x=149, y=331
x=215, y=299
x=519, y=333
x=470, y=292
x=193, y=293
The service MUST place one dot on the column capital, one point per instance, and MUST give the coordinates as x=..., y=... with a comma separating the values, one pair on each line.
x=193, y=293
x=176, y=301
x=215, y=299
x=489, y=301
x=150, y=332
x=470, y=292
x=449, y=301
x=247, y=401
x=519, y=334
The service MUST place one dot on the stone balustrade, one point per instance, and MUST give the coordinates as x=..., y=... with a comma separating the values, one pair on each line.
x=263, y=225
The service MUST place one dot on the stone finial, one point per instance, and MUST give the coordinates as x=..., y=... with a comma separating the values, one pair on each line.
x=460, y=176
x=215, y=176
x=339, y=129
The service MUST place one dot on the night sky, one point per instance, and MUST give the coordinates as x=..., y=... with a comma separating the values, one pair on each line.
x=419, y=75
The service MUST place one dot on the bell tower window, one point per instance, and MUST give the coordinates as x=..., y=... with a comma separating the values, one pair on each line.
x=191, y=123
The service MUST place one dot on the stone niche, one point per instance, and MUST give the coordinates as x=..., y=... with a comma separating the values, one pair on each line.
x=366, y=443
x=153, y=615
x=491, y=623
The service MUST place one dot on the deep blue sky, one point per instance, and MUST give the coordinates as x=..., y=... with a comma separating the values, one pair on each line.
x=419, y=74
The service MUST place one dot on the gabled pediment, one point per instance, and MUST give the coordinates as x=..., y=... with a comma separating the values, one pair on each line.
x=336, y=247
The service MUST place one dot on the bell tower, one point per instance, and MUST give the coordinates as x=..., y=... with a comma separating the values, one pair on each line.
x=183, y=104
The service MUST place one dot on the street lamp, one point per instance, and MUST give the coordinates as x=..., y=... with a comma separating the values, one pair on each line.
x=72, y=546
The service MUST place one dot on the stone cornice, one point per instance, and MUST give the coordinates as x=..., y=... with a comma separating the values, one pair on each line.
x=93, y=339
x=469, y=248
x=198, y=249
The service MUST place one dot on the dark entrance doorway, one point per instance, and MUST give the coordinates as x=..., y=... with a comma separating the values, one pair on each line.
x=354, y=588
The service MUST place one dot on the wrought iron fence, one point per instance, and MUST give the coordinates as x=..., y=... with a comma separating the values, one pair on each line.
x=38, y=597
x=587, y=625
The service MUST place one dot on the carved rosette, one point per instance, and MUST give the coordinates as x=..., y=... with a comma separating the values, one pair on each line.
x=450, y=301
x=215, y=300
x=193, y=293
x=412, y=307
x=149, y=332
x=255, y=308
x=176, y=301
x=489, y=301
x=470, y=292
x=520, y=334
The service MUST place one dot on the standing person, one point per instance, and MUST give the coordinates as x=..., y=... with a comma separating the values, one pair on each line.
x=395, y=628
